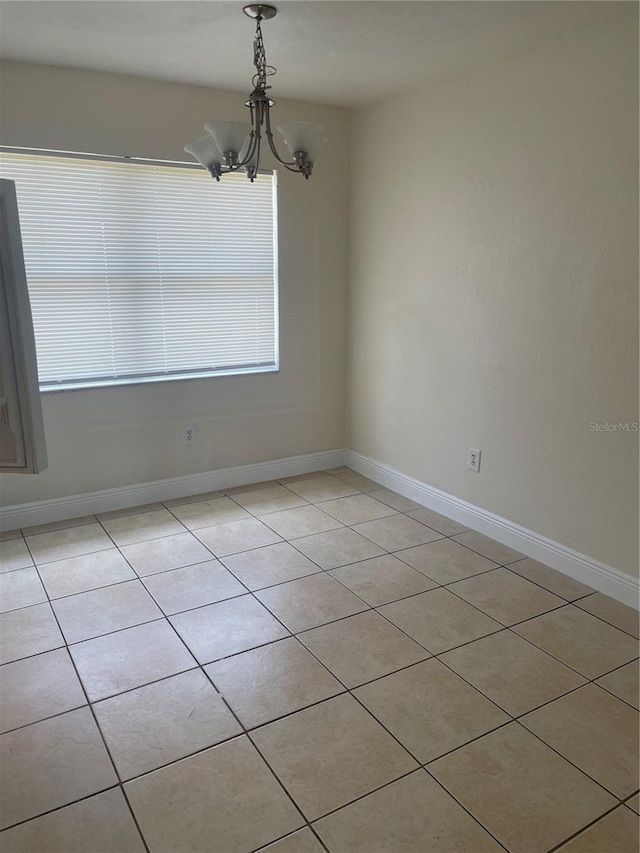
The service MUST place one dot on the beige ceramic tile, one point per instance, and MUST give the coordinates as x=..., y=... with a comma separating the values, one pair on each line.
x=128, y=510
x=394, y=500
x=14, y=554
x=236, y=536
x=101, y=611
x=20, y=588
x=440, y=523
x=382, y=579
x=58, y=525
x=303, y=841
x=397, y=531
x=302, y=521
x=72, y=542
x=506, y=596
x=596, y=732
x=193, y=586
x=580, y=640
x=617, y=832
x=223, y=800
x=311, y=601
x=274, y=680
x=337, y=548
x=362, y=647
x=50, y=764
x=331, y=753
x=439, y=620
x=101, y=824
x=623, y=683
x=270, y=565
x=28, y=631
x=6, y=535
x=358, y=481
x=272, y=499
x=168, y=552
x=526, y=795
x=207, y=513
x=81, y=574
x=228, y=627
x=445, y=561
x=356, y=509
x=623, y=617
x=192, y=499
x=634, y=803
x=548, y=578
x=322, y=488
x=412, y=815
x=38, y=687
x=429, y=709
x=130, y=658
x=489, y=548
x=163, y=722
x=513, y=673
x=142, y=526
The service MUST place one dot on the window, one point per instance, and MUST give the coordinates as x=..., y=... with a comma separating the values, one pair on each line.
x=145, y=271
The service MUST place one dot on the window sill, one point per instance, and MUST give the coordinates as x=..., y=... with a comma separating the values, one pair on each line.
x=152, y=380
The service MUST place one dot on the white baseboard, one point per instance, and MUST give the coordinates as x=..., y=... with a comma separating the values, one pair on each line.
x=90, y=503
x=599, y=576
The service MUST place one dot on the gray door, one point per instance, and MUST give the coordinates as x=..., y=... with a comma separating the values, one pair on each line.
x=22, y=444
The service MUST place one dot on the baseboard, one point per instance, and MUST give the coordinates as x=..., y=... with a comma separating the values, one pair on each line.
x=90, y=503
x=599, y=576
x=603, y=578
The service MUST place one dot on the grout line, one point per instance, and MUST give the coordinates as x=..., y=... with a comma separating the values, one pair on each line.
x=606, y=621
x=569, y=761
x=368, y=711
x=245, y=733
x=584, y=828
x=115, y=786
x=348, y=691
x=95, y=719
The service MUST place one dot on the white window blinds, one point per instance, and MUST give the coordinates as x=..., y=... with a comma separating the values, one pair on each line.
x=140, y=270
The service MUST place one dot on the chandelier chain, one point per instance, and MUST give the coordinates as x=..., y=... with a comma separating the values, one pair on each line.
x=260, y=60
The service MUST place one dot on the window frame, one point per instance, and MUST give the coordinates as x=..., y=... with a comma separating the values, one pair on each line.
x=188, y=375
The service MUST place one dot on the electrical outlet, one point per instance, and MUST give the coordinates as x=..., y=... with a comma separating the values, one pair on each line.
x=473, y=459
x=189, y=434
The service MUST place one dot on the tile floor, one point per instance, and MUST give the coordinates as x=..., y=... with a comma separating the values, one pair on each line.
x=306, y=665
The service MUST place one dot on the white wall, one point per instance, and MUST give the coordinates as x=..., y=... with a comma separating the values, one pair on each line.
x=494, y=298
x=109, y=437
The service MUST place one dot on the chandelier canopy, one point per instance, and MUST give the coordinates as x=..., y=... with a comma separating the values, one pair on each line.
x=230, y=146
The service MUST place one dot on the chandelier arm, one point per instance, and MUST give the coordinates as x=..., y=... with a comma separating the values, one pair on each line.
x=290, y=164
x=272, y=145
x=251, y=150
x=252, y=171
x=292, y=168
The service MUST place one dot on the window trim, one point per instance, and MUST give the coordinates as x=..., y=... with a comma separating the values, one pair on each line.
x=178, y=376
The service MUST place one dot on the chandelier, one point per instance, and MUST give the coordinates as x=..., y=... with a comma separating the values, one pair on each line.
x=230, y=146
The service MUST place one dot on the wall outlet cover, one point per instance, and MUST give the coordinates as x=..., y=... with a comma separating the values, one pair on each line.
x=473, y=459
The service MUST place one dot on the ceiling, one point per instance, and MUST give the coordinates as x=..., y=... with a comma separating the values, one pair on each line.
x=344, y=53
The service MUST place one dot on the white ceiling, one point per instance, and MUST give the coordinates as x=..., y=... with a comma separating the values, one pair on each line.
x=345, y=53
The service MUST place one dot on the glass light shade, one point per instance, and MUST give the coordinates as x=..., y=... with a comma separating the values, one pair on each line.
x=205, y=151
x=303, y=136
x=229, y=135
